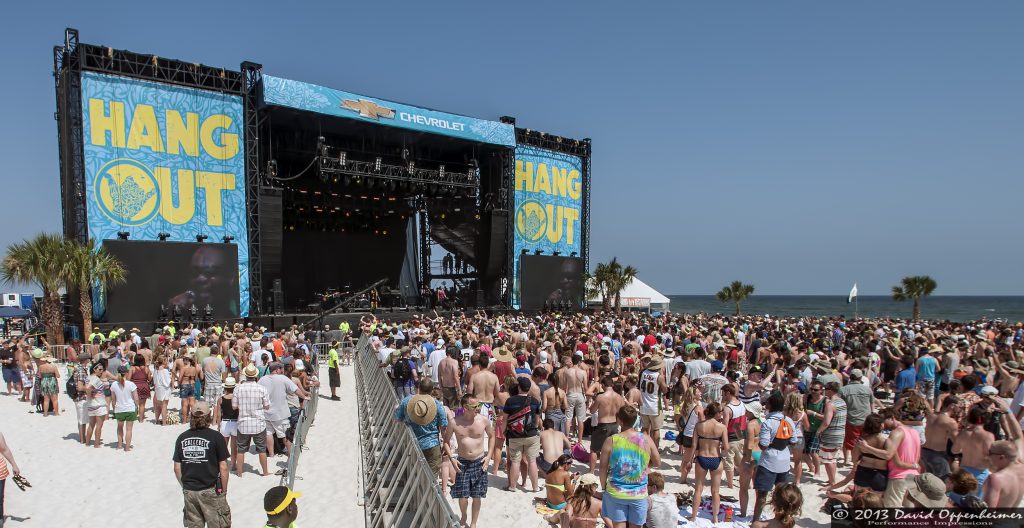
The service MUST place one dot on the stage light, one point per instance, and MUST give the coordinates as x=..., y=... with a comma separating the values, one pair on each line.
x=537, y=252
x=272, y=168
x=342, y=158
x=405, y=154
x=163, y=236
x=228, y=239
x=556, y=253
x=376, y=166
x=441, y=171
x=201, y=238
x=412, y=167
x=525, y=251
x=123, y=235
x=573, y=254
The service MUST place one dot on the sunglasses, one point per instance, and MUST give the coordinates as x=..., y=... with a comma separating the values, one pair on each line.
x=815, y=390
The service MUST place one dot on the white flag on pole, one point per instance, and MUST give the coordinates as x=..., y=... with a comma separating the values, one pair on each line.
x=853, y=294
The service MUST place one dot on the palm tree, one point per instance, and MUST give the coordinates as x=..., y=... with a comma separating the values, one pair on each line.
x=42, y=260
x=623, y=277
x=914, y=288
x=91, y=267
x=602, y=279
x=736, y=292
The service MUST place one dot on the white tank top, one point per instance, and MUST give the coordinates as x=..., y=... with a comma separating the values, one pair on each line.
x=650, y=397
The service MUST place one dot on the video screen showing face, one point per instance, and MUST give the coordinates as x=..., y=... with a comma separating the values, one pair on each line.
x=173, y=273
x=551, y=280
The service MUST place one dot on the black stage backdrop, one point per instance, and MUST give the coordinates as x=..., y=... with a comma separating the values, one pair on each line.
x=182, y=273
x=549, y=278
x=313, y=261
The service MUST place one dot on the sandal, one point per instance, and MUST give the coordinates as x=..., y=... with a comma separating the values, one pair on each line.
x=22, y=482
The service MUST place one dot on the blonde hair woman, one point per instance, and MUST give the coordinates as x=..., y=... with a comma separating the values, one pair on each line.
x=794, y=409
x=691, y=413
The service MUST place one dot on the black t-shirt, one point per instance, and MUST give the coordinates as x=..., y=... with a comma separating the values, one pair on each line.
x=522, y=413
x=200, y=452
x=7, y=357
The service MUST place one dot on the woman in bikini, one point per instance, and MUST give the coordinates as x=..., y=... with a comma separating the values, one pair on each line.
x=583, y=510
x=711, y=439
x=187, y=383
x=49, y=388
x=751, y=451
x=558, y=483
x=691, y=413
x=794, y=410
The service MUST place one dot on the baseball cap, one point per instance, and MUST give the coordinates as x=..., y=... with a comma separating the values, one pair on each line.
x=201, y=408
x=717, y=365
x=989, y=390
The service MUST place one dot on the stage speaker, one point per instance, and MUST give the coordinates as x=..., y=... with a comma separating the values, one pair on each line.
x=496, y=251
x=271, y=232
x=278, y=295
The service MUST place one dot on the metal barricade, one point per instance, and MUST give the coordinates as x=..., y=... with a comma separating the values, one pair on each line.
x=320, y=351
x=305, y=420
x=59, y=352
x=399, y=490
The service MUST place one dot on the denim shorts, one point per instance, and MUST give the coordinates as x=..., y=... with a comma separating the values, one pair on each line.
x=633, y=511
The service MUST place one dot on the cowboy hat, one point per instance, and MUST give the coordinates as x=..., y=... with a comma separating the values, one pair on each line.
x=1013, y=366
x=935, y=349
x=421, y=409
x=656, y=363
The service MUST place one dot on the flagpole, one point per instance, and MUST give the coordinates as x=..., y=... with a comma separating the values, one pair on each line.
x=855, y=308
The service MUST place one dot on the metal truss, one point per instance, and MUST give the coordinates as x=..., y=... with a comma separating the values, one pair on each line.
x=67, y=73
x=253, y=75
x=330, y=166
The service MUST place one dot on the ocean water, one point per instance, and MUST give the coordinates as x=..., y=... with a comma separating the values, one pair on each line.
x=953, y=308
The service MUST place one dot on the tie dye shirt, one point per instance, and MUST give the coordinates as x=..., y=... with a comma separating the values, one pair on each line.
x=627, y=468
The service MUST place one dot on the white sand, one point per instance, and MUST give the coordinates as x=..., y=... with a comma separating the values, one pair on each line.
x=516, y=509
x=74, y=485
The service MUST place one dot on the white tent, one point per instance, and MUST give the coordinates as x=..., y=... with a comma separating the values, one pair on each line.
x=637, y=295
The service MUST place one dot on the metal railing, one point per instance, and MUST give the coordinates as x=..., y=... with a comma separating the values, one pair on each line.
x=399, y=490
x=305, y=421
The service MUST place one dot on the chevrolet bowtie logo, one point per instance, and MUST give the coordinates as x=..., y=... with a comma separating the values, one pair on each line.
x=368, y=109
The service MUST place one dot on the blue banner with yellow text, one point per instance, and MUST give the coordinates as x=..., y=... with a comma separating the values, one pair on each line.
x=548, y=205
x=313, y=98
x=161, y=158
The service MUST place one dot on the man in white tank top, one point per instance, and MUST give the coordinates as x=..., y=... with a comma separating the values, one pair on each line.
x=652, y=386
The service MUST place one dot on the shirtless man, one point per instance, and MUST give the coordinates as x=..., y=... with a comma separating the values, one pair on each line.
x=448, y=376
x=553, y=405
x=471, y=431
x=605, y=406
x=574, y=380
x=974, y=442
x=939, y=432
x=1005, y=487
x=553, y=444
x=484, y=387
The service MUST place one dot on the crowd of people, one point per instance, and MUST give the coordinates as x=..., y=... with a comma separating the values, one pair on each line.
x=916, y=414
x=236, y=385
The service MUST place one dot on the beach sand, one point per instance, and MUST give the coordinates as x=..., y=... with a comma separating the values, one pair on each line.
x=74, y=485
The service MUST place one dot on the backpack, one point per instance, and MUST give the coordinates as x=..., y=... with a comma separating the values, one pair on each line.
x=782, y=435
x=71, y=387
x=402, y=371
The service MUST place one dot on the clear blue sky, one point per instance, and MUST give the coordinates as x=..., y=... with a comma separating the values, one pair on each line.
x=798, y=146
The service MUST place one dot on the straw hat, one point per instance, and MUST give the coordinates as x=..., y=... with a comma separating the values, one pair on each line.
x=230, y=382
x=656, y=363
x=935, y=349
x=588, y=479
x=503, y=354
x=756, y=409
x=421, y=409
x=251, y=371
x=1013, y=366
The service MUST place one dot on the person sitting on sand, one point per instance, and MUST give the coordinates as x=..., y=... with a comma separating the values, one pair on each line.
x=662, y=511
x=583, y=509
x=558, y=483
x=553, y=444
x=786, y=501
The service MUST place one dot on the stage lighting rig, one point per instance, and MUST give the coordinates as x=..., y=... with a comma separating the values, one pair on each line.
x=123, y=235
x=537, y=252
x=201, y=238
x=163, y=236
x=228, y=239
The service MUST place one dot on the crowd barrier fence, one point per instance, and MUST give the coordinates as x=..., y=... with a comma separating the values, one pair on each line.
x=302, y=425
x=399, y=490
